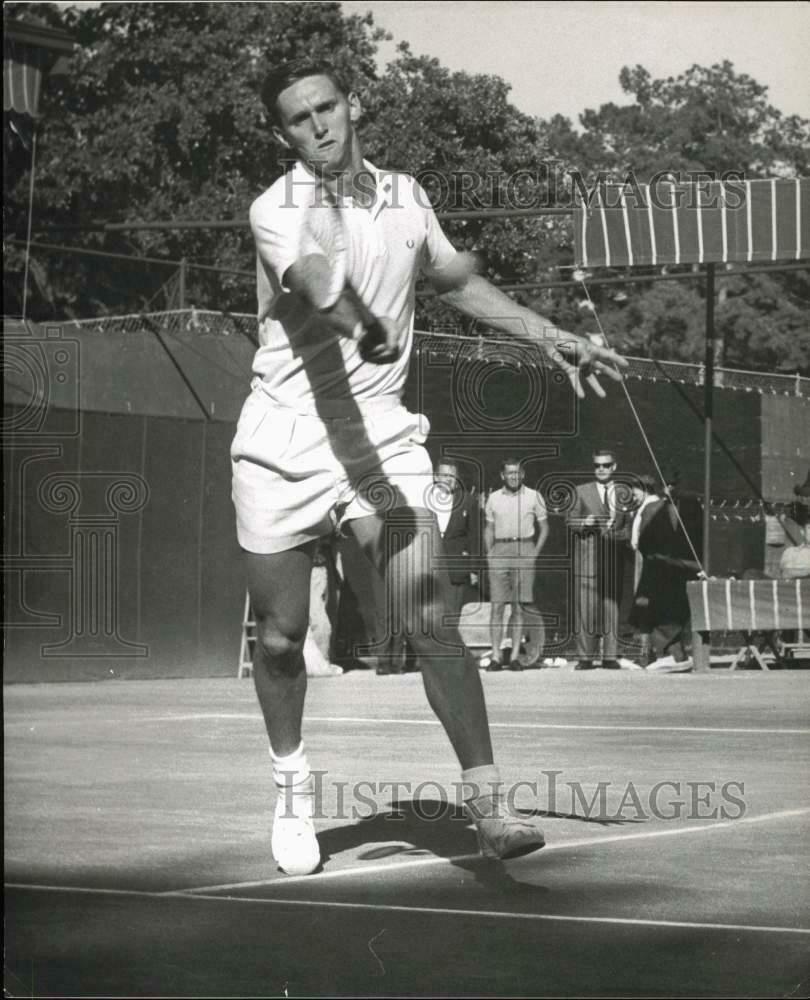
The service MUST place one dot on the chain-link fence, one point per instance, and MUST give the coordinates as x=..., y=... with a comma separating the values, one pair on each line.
x=460, y=347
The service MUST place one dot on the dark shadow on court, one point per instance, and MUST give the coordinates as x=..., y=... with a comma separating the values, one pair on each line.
x=430, y=827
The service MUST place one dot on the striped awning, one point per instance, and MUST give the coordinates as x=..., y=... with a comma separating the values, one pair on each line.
x=23, y=68
x=29, y=54
x=695, y=223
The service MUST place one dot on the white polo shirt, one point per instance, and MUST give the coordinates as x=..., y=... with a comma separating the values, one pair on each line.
x=513, y=515
x=299, y=356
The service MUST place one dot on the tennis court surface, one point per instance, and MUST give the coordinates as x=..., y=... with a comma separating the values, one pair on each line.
x=677, y=807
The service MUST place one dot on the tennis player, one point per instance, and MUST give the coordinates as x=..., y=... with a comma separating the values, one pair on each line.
x=324, y=443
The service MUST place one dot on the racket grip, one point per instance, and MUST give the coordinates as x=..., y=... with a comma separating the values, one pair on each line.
x=374, y=344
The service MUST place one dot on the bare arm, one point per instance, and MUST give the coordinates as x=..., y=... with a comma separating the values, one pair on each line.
x=310, y=277
x=542, y=536
x=489, y=536
x=475, y=296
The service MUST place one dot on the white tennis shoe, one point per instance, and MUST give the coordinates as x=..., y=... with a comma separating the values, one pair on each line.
x=669, y=665
x=627, y=664
x=293, y=841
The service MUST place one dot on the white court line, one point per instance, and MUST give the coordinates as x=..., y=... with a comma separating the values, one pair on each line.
x=85, y=890
x=506, y=915
x=434, y=910
x=557, y=725
x=493, y=725
x=430, y=862
x=256, y=717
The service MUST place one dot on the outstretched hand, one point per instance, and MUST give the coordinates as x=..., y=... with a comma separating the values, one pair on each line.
x=581, y=358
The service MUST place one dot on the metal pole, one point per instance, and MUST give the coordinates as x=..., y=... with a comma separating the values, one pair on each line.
x=182, y=282
x=30, y=218
x=708, y=414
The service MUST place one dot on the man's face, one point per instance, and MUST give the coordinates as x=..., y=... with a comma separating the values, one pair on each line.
x=446, y=476
x=317, y=123
x=604, y=466
x=512, y=476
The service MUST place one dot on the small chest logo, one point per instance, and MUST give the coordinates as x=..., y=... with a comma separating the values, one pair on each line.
x=411, y=244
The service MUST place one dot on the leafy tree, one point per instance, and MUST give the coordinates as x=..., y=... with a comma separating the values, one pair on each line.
x=159, y=118
x=471, y=149
x=763, y=321
x=706, y=119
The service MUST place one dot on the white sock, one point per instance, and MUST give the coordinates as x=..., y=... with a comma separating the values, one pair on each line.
x=291, y=770
x=481, y=782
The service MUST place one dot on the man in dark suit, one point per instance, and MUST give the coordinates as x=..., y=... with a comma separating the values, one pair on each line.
x=458, y=516
x=600, y=521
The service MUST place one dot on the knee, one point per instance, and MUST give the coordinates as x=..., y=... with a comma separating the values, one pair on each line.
x=280, y=645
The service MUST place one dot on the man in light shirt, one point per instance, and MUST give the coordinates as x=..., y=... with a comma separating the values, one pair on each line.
x=325, y=444
x=515, y=533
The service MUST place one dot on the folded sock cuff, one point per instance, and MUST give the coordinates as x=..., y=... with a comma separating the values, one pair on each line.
x=291, y=769
x=480, y=781
x=288, y=758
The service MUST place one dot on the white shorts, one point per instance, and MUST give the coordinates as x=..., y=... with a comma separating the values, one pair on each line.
x=298, y=475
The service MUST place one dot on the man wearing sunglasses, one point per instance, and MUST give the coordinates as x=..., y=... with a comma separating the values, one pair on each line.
x=600, y=521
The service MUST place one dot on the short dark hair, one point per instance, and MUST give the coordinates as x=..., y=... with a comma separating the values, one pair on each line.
x=511, y=461
x=604, y=451
x=285, y=74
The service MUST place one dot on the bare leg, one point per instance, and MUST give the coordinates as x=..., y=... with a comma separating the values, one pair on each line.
x=405, y=548
x=516, y=628
x=496, y=629
x=279, y=593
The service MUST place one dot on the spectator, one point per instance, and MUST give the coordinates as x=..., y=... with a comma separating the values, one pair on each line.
x=801, y=508
x=795, y=565
x=643, y=494
x=662, y=606
x=322, y=606
x=795, y=561
x=458, y=516
x=515, y=533
x=601, y=527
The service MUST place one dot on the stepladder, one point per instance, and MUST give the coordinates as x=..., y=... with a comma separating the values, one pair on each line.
x=248, y=641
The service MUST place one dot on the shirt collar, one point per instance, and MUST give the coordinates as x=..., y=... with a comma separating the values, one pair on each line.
x=384, y=186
